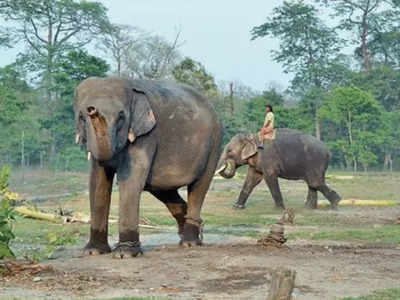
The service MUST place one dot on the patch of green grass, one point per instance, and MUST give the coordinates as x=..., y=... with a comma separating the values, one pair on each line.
x=390, y=294
x=161, y=220
x=32, y=231
x=37, y=239
x=389, y=234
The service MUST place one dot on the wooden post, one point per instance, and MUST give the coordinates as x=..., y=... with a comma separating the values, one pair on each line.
x=282, y=284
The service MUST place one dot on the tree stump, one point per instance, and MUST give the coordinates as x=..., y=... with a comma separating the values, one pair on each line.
x=282, y=284
x=275, y=238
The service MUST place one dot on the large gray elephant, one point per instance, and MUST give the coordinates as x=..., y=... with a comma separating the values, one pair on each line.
x=291, y=155
x=156, y=137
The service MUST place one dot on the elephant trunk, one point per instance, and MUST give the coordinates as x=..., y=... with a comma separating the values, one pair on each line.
x=226, y=167
x=101, y=148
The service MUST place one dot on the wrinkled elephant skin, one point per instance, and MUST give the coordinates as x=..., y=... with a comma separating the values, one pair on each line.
x=291, y=155
x=154, y=137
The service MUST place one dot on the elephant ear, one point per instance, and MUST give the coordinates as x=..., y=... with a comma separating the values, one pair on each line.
x=80, y=137
x=142, y=118
x=250, y=148
x=80, y=121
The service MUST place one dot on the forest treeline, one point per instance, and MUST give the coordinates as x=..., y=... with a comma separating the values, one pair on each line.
x=343, y=56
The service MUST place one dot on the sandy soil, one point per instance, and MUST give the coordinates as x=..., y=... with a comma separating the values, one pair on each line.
x=239, y=270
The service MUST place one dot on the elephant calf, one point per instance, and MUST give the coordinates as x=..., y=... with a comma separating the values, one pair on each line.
x=154, y=136
x=291, y=155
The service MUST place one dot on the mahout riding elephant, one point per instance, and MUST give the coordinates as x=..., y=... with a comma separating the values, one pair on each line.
x=155, y=136
x=291, y=155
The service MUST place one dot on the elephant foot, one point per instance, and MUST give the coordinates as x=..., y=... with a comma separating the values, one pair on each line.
x=96, y=249
x=239, y=206
x=192, y=236
x=127, y=249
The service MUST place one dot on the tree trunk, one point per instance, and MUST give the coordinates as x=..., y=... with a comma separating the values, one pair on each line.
x=119, y=66
x=282, y=284
x=388, y=163
x=364, y=49
x=231, y=106
x=317, y=127
x=349, y=127
x=41, y=159
x=23, y=156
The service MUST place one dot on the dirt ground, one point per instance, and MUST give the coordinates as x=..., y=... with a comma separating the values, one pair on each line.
x=230, y=266
x=239, y=270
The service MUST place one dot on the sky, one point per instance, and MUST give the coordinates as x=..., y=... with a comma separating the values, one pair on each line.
x=214, y=32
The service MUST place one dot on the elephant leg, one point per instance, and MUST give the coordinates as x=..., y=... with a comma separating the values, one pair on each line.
x=329, y=194
x=100, y=187
x=253, y=178
x=273, y=185
x=196, y=194
x=312, y=198
x=132, y=177
x=175, y=204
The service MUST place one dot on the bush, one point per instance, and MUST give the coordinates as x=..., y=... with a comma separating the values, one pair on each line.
x=7, y=215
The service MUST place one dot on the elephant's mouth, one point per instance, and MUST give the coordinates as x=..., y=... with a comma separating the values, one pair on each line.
x=228, y=170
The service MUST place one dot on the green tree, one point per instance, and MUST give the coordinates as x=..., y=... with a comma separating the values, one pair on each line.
x=366, y=20
x=359, y=115
x=389, y=134
x=307, y=46
x=51, y=28
x=193, y=73
x=7, y=215
x=383, y=82
x=16, y=98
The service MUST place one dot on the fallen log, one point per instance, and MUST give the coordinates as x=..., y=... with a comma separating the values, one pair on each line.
x=358, y=202
x=282, y=284
x=34, y=214
x=29, y=212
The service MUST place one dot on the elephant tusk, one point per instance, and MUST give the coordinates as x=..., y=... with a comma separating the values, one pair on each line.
x=89, y=155
x=131, y=135
x=220, y=169
x=77, y=137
